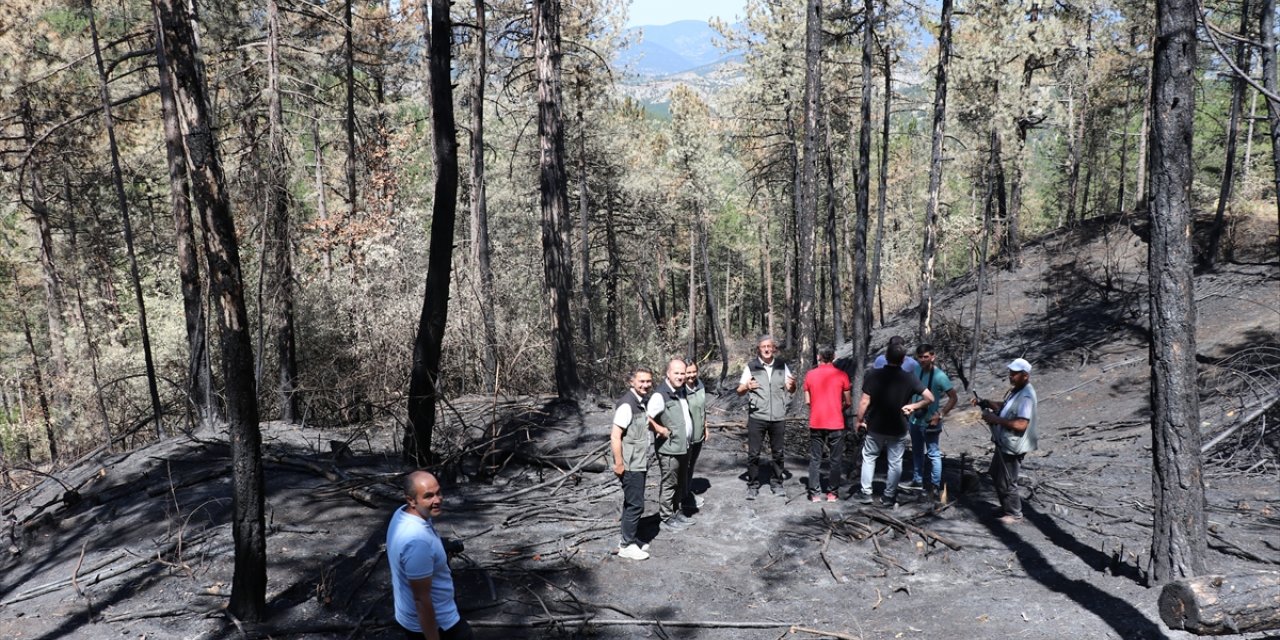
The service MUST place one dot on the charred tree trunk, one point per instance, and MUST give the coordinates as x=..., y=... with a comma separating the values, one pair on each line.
x=424, y=381
x=862, y=280
x=927, y=255
x=226, y=286
x=482, y=270
x=1268, y=55
x=349, y=119
x=1210, y=253
x=992, y=176
x=1144, y=144
x=882, y=183
x=806, y=356
x=558, y=280
x=1223, y=605
x=584, y=228
x=278, y=209
x=117, y=175
x=611, y=278
x=199, y=384
x=713, y=314
x=833, y=237
x=691, y=349
x=1179, y=538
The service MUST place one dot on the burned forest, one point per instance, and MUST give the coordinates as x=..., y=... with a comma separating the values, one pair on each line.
x=736, y=320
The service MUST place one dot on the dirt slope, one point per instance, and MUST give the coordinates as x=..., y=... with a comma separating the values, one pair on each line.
x=141, y=548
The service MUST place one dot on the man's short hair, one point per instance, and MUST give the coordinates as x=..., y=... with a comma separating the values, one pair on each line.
x=768, y=337
x=924, y=348
x=897, y=340
x=673, y=361
x=639, y=370
x=410, y=485
x=826, y=353
x=895, y=354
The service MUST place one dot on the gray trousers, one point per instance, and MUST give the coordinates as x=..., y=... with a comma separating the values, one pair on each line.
x=1004, y=475
x=673, y=484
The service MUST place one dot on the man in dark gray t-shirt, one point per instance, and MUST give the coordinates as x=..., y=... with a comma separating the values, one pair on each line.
x=882, y=413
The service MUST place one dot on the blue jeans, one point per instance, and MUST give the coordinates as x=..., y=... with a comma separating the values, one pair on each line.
x=893, y=446
x=925, y=442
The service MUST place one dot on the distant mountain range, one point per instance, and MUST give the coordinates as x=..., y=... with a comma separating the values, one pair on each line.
x=687, y=45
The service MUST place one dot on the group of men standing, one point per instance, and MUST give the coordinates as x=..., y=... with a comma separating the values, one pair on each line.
x=903, y=401
x=672, y=417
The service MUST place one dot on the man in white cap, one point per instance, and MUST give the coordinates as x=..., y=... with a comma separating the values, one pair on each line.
x=1013, y=430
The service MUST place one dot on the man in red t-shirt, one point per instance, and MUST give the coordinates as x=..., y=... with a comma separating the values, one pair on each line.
x=828, y=393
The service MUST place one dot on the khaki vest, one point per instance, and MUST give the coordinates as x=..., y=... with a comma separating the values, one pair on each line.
x=637, y=438
x=769, y=402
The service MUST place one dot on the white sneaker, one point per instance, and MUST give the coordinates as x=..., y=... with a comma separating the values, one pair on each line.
x=633, y=552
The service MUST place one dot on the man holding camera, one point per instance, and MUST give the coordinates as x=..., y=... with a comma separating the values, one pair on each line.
x=1013, y=430
x=421, y=583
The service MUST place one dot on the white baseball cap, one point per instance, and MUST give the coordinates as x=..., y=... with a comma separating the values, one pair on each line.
x=1020, y=365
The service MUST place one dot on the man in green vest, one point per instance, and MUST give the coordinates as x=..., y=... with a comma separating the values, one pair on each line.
x=668, y=410
x=629, y=440
x=768, y=384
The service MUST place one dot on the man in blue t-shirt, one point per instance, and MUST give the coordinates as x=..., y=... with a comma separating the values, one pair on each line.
x=926, y=424
x=420, y=579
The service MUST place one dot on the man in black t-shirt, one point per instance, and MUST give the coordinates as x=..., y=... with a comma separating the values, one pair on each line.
x=882, y=413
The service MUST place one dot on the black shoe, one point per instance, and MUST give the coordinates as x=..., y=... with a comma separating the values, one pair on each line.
x=888, y=502
x=752, y=492
x=864, y=498
x=778, y=490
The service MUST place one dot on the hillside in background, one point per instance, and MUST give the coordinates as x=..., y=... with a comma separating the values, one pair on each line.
x=662, y=56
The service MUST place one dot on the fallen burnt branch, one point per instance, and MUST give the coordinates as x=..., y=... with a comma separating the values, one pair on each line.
x=905, y=527
x=589, y=457
x=368, y=492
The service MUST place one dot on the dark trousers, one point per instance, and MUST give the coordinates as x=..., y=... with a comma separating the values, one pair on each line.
x=632, y=505
x=460, y=631
x=695, y=449
x=672, y=486
x=756, y=432
x=1004, y=475
x=830, y=441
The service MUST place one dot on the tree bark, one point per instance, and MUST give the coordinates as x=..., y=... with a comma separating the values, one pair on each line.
x=349, y=119
x=278, y=208
x=1268, y=56
x=1178, y=540
x=1144, y=144
x=882, y=184
x=482, y=271
x=611, y=278
x=992, y=176
x=713, y=316
x=1222, y=604
x=862, y=280
x=558, y=279
x=1243, y=58
x=226, y=287
x=199, y=383
x=424, y=386
x=806, y=355
x=935, y=175
x=584, y=199
x=833, y=238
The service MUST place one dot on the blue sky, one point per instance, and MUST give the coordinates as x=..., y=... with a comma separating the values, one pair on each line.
x=660, y=12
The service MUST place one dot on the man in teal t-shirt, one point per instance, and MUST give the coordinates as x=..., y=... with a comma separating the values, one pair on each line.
x=926, y=424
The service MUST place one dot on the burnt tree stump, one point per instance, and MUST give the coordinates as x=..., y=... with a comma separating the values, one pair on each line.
x=1220, y=605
